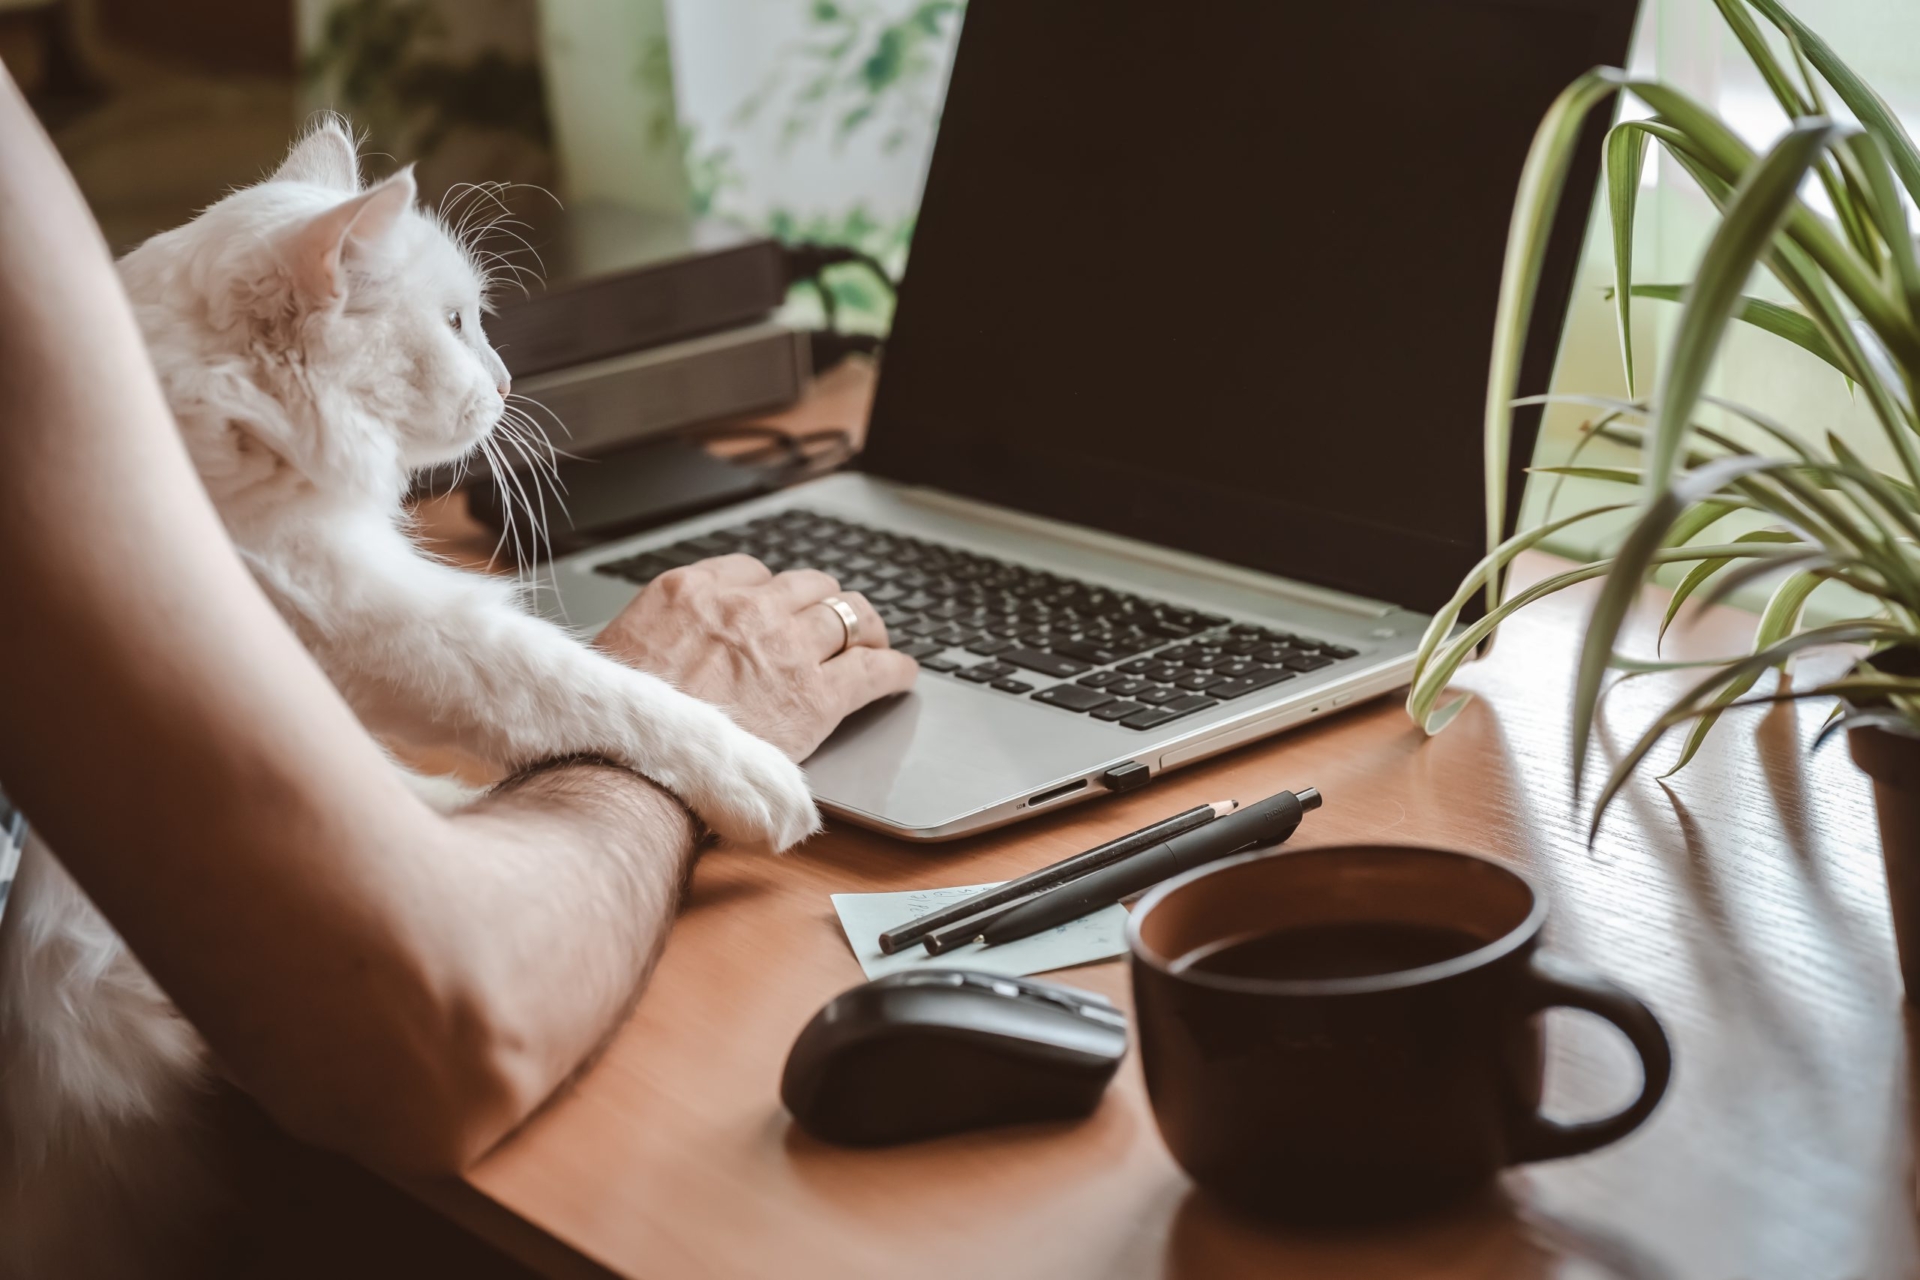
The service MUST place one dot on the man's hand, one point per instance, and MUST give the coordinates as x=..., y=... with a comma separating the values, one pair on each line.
x=761, y=645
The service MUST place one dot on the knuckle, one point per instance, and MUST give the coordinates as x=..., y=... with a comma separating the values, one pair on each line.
x=676, y=584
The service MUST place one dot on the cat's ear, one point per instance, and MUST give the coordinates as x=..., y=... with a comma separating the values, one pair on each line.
x=320, y=249
x=326, y=157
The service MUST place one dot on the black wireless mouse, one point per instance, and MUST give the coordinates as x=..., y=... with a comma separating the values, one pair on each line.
x=934, y=1051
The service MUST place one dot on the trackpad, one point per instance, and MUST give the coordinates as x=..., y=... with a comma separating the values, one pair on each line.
x=948, y=750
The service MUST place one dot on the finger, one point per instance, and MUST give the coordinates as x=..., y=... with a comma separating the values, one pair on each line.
x=860, y=675
x=798, y=588
x=829, y=633
x=735, y=570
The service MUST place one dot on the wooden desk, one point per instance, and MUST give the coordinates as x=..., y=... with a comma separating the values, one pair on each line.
x=1746, y=904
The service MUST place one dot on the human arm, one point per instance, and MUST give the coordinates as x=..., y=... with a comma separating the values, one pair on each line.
x=385, y=981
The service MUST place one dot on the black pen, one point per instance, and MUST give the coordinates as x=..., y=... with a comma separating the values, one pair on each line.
x=904, y=936
x=1268, y=822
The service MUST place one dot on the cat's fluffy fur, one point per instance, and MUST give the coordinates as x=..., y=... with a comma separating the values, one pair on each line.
x=317, y=342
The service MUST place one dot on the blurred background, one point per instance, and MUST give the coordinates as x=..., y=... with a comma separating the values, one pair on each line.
x=801, y=118
x=806, y=119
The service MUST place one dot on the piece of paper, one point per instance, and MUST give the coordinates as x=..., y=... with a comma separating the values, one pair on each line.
x=865, y=916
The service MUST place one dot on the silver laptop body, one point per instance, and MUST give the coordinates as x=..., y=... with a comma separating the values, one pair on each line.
x=954, y=757
x=1158, y=338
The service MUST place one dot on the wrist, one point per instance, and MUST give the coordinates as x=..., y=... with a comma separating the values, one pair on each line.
x=591, y=783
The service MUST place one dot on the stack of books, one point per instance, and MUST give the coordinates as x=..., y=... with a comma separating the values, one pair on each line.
x=645, y=323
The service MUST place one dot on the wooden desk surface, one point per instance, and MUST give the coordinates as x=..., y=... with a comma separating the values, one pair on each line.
x=1745, y=902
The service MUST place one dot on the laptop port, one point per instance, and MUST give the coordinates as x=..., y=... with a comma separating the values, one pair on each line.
x=1035, y=801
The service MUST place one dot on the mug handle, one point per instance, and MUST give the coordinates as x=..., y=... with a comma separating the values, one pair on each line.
x=1556, y=983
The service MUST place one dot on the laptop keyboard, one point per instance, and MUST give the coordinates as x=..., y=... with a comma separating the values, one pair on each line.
x=1108, y=654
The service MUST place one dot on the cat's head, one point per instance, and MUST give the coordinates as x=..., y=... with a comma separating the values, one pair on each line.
x=357, y=314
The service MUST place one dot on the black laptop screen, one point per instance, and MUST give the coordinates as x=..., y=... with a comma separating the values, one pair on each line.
x=1222, y=276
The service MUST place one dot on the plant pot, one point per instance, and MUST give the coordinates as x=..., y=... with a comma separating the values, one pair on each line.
x=1892, y=760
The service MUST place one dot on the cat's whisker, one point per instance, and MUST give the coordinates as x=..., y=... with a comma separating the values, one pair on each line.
x=527, y=404
x=509, y=528
x=541, y=537
x=511, y=482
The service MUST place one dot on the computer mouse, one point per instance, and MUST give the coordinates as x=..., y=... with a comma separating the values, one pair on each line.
x=935, y=1051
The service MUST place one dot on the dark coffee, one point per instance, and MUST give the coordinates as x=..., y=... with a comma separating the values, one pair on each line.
x=1332, y=949
x=1391, y=1058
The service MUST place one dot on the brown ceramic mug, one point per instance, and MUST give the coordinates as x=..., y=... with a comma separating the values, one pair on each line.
x=1354, y=1032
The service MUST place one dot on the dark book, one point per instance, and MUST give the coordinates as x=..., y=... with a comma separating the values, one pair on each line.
x=618, y=280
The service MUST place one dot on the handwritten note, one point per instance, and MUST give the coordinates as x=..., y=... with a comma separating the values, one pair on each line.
x=865, y=916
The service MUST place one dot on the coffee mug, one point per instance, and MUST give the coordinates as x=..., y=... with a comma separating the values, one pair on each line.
x=1344, y=1033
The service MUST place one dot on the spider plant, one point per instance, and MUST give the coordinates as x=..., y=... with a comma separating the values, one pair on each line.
x=1828, y=515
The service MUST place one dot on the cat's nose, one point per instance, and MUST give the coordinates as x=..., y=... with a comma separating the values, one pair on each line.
x=504, y=385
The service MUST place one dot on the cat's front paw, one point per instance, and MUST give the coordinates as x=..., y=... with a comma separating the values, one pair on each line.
x=759, y=797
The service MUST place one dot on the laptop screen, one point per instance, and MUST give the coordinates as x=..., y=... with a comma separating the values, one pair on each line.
x=1222, y=277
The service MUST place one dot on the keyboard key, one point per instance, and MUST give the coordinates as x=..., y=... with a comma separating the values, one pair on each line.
x=1157, y=694
x=1164, y=672
x=1117, y=710
x=680, y=553
x=1099, y=679
x=1192, y=702
x=987, y=672
x=1013, y=686
x=988, y=646
x=1046, y=664
x=1309, y=661
x=1072, y=697
x=1127, y=686
x=1236, y=667
x=919, y=648
x=1151, y=718
x=640, y=569
x=1103, y=650
x=1260, y=679
x=939, y=664
x=1139, y=666
x=1339, y=651
x=1197, y=680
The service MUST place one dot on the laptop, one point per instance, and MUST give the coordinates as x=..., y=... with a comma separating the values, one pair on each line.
x=1176, y=443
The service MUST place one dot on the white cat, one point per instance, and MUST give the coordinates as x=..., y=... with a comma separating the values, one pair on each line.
x=317, y=342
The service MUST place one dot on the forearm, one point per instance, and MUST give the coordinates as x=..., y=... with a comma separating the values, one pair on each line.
x=384, y=980
x=592, y=867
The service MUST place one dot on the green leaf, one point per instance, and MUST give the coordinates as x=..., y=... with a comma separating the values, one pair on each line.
x=1761, y=205
x=1630, y=564
x=1543, y=180
x=1785, y=91
x=1626, y=157
x=1782, y=322
x=1706, y=569
x=1432, y=671
x=1687, y=706
x=1699, y=517
x=1780, y=617
x=1491, y=567
x=1869, y=107
x=1614, y=475
x=1889, y=213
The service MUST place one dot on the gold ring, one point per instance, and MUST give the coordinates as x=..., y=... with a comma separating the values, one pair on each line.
x=849, y=621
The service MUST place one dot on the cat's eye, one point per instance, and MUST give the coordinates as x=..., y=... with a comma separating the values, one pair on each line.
x=453, y=318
